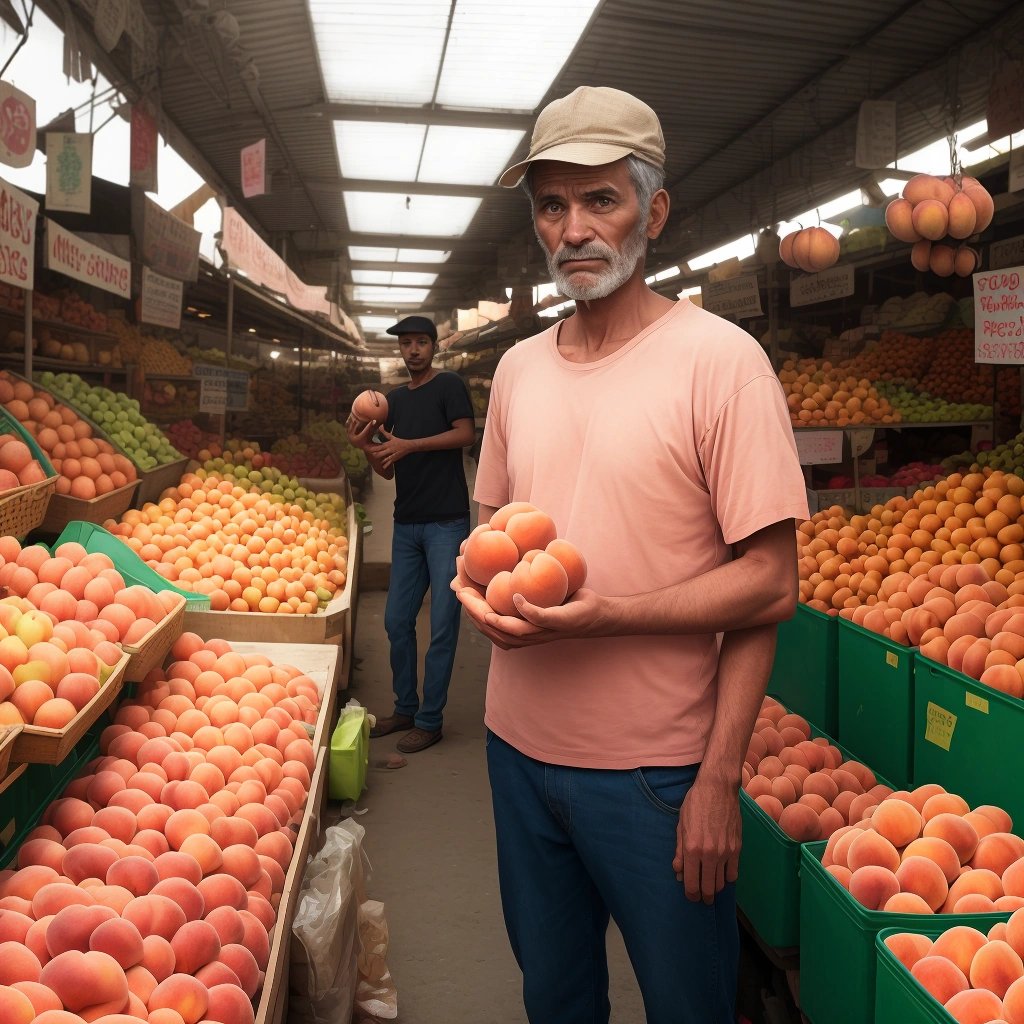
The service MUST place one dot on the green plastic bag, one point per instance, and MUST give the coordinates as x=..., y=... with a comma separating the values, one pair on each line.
x=350, y=754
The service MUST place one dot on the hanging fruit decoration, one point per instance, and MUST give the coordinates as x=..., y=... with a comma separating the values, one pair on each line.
x=809, y=250
x=936, y=215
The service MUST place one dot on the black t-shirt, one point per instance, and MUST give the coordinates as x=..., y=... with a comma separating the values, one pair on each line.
x=430, y=486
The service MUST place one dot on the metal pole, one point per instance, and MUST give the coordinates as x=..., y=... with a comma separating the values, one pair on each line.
x=302, y=397
x=773, y=316
x=227, y=347
x=28, y=333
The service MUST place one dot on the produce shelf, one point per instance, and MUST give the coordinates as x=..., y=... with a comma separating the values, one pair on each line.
x=63, y=365
x=894, y=426
x=63, y=509
x=153, y=482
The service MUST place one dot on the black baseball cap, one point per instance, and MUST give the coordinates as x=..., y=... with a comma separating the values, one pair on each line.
x=415, y=325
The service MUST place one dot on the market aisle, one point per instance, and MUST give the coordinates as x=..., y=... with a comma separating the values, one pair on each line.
x=430, y=841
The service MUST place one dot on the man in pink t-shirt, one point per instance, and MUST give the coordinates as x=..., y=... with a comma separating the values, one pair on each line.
x=657, y=438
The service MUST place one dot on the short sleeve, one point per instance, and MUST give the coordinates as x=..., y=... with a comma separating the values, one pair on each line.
x=750, y=462
x=457, y=403
x=492, y=481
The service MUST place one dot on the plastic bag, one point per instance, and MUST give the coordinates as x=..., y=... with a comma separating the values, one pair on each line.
x=376, y=995
x=325, y=955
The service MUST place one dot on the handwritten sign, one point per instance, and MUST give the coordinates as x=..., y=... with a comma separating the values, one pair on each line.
x=69, y=171
x=17, y=236
x=939, y=726
x=161, y=300
x=739, y=297
x=819, y=447
x=73, y=256
x=861, y=440
x=213, y=395
x=233, y=383
x=109, y=22
x=835, y=283
x=143, y=148
x=169, y=245
x=1016, y=180
x=254, y=169
x=1007, y=253
x=999, y=316
x=17, y=126
x=876, y=134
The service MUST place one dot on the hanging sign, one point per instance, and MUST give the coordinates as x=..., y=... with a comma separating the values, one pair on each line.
x=818, y=447
x=1005, y=114
x=143, y=147
x=109, y=22
x=213, y=395
x=739, y=297
x=1016, y=182
x=69, y=172
x=876, y=134
x=999, y=316
x=169, y=245
x=224, y=388
x=161, y=300
x=254, y=169
x=834, y=283
x=17, y=126
x=1007, y=253
x=73, y=256
x=17, y=236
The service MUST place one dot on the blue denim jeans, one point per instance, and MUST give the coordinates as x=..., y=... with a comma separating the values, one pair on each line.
x=576, y=845
x=423, y=555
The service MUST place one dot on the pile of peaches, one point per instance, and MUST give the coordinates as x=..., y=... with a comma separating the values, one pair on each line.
x=245, y=550
x=149, y=892
x=61, y=625
x=18, y=467
x=823, y=395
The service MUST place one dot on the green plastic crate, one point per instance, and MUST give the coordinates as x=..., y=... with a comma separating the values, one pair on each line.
x=899, y=999
x=768, y=886
x=967, y=737
x=876, y=701
x=837, y=944
x=805, y=672
x=10, y=425
x=128, y=564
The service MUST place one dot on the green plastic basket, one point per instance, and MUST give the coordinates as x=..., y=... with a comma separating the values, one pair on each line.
x=837, y=944
x=899, y=999
x=876, y=701
x=96, y=539
x=967, y=737
x=10, y=425
x=805, y=673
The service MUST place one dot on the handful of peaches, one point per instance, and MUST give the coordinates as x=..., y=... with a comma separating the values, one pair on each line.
x=519, y=552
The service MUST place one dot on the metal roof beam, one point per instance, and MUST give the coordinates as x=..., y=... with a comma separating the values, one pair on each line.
x=417, y=268
x=408, y=188
x=414, y=115
x=319, y=242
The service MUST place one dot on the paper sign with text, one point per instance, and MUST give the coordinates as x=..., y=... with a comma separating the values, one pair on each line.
x=73, y=256
x=999, y=316
x=169, y=245
x=143, y=148
x=876, y=134
x=109, y=22
x=835, y=283
x=739, y=297
x=69, y=171
x=234, y=383
x=17, y=126
x=254, y=169
x=213, y=394
x=18, y=214
x=161, y=300
x=1007, y=253
x=819, y=447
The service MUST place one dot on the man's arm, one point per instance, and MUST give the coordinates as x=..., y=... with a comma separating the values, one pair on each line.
x=461, y=435
x=361, y=436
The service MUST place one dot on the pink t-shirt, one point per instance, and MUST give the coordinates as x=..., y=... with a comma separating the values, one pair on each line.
x=653, y=461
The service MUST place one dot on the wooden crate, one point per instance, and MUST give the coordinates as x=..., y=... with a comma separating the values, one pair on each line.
x=323, y=627
x=149, y=652
x=153, y=482
x=36, y=745
x=8, y=735
x=64, y=509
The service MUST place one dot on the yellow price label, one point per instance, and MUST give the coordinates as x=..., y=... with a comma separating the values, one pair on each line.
x=939, y=727
x=892, y=659
x=978, y=703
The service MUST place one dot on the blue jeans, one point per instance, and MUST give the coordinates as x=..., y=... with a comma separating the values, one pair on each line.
x=576, y=845
x=423, y=555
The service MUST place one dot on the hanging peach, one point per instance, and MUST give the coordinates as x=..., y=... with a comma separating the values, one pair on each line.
x=979, y=196
x=920, y=255
x=963, y=216
x=815, y=249
x=926, y=186
x=899, y=220
x=786, y=250
x=942, y=260
x=931, y=218
x=966, y=262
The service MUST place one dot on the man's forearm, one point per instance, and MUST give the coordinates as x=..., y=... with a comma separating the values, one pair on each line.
x=454, y=438
x=377, y=465
x=744, y=667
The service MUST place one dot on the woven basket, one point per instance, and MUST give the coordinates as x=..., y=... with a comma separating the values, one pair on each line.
x=24, y=508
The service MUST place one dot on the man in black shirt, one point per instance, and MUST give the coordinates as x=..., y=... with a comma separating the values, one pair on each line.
x=429, y=422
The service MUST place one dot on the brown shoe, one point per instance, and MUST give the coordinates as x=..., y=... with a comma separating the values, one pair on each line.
x=419, y=739
x=393, y=723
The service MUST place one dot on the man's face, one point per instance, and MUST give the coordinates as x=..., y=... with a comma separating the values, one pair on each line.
x=417, y=351
x=590, y=224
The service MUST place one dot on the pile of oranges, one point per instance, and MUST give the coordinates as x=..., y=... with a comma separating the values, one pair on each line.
x=825, y=395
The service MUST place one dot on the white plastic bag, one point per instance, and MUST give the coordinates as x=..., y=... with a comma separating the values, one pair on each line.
x=376, y=995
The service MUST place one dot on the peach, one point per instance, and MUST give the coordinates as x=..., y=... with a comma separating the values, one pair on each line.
x=153, y=816
x=217, y=974
x=17, y=1008
x=17, y=963
x=53, y=898
x=44, y=852
x=531, y=531
x=898, y=822
x=185, y=894
x=960, y=945
x=222, y=891
x=976, y=880
x=840, y=874
x=873, y=886
x=103, y=786
x=975, y=1006
x=799, y=822
x=500, y=518
x=954, y=830
x=14, y=926
x=277, y=847
x=73, y=926
x=35, y=939
x=489, y=552
x=185, y=823
x=243, y=963
x=82, y=980
x=228, y=923
x=41, y=998
x=998, y=851
x=136, y=874
x=117, y=822
x=154, y=915
x=263, y=910
x=908, y=948
x=83, y=836
x=940, y=977
x=944, y=803
x=182, y=993
x=996, y=966
x=937, y=850
x=572, y=561
x=228, y=1004
x=140, y=982
x=981, y=824
x=157, y=956
x=196, y=944
x=205, y=851
x=999, y=817
x=112, y=896
x=923, y=877
x=869, y=848
x=243, y=863
x=120, y=940
x=178, y=865
x=541, y=580
x=906, y=903
x=997, y=931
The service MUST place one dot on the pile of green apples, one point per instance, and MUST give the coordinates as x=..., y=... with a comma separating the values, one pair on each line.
x=921, y=407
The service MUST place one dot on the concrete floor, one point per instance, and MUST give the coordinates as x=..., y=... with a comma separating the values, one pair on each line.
x=429, y=837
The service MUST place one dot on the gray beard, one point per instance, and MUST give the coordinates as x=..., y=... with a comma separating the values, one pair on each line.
x=621, y=265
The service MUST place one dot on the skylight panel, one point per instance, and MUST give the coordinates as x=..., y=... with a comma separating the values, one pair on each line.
x=380, y=295
x=739, y=249
x=528, y=41
x=467, y=156
x=375, y=324
x=387, y=51
x=385, y=277
x=372, y=254
x=934, y=158
x=423, y=255
x=394, y=213
x=379, y=150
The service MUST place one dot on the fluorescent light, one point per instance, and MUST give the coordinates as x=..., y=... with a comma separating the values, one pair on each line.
x=393, y=277
x=467, y=156
x=687, y=292
x=379, y=150
x=375, y=324
x=649, y=280
x=507, y=34
x=664, y=275
x=394, y=213
x=274, y=354
x=740, y=249
x=934, y=158
x=372, y=254
x=384, y=52
x=422, y=255
x=382, y=295
x=543, y=291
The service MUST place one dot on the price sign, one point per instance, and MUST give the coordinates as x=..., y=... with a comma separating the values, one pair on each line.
x=17, y=236
x=739, y=297
x=939, y=726
x=230, y=387
x=1007, y=253
x=213, y=395
x=109, y=22
x=161, y=300
x=835, y=283
x=999, y=316
x=861, y=440
x=819, y=447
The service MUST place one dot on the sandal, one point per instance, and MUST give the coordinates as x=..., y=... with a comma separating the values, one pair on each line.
x=419, y=739
x=393, y=723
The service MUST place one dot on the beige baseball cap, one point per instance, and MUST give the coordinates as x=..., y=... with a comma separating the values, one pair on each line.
x=593, y=125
